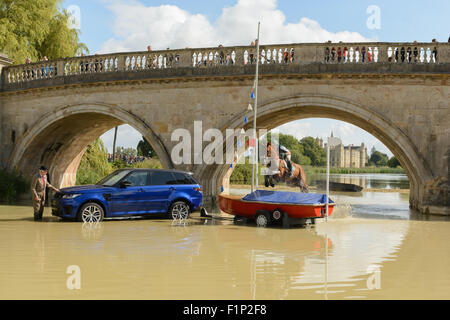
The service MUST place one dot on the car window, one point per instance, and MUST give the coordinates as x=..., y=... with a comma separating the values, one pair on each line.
x=160, y=178
x=191, y=179
x=137, y=178
x=182, y=178
x=113, y=178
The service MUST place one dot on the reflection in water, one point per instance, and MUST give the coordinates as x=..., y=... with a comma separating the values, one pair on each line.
x=217, y=259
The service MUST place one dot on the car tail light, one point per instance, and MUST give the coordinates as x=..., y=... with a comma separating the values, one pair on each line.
x=198, y=189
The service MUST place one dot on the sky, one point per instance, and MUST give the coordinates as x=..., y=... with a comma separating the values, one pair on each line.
x=118, y=25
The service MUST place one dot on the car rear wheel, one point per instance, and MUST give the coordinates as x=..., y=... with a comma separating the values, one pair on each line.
x=91, y=212
x=179, y=210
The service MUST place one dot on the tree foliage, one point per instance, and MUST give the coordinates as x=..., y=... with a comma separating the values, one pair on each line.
x=314, y=151
x=36, y=28
x=393, y=163
x=144, y=149
x=378, y=159
x=94, y=165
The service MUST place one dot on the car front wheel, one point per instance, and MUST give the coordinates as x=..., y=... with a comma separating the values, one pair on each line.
x=91, y=212
x=179, y=210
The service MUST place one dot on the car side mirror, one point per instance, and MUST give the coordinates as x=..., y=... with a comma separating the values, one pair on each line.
x=125, y=184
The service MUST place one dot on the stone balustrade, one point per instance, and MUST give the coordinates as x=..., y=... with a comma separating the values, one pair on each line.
x=307, y=53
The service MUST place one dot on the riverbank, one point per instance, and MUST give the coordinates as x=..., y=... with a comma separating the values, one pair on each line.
x=373, y=170
x=314, y=189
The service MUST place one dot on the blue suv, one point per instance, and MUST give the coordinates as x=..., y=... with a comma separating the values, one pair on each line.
x=131, y=192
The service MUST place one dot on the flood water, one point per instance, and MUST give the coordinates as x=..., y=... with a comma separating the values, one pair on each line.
x=373, y=248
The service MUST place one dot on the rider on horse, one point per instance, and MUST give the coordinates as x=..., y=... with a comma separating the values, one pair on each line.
x=285, y=154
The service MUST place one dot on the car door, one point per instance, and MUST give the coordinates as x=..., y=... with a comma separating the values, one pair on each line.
x=131, y=200
x=160, y=191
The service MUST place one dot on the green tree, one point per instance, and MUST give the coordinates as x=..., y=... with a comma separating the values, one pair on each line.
x=314, y=151
x=94, y=165
x=144, y=149
x=393, y=163
x=36, y=28
x=378, y=159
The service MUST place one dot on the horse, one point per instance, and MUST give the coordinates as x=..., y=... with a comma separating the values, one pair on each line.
x=296, y=179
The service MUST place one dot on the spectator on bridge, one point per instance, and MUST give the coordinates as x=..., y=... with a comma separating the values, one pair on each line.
x=44, y=70
x=39, y=185
x=339, y=54
x=149, y=48
x=408, y=54
x=363, y=54
x=416, y=54
x=434, y=54
x=345, y=54
x=327, y=54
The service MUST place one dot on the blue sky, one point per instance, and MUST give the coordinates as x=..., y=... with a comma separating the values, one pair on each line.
x=116, y=25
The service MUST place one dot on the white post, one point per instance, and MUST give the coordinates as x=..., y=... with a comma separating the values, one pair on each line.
x=255, y=162
x=328, y=176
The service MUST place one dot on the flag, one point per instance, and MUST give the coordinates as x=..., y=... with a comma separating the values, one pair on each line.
x=231, y=166
x=252, y=143
x=253, y=95
x=245, y=119
x=249, y=107
x=221, y=188
x=239, y=142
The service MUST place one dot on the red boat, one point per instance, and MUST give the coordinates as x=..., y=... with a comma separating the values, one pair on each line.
x=268, y=207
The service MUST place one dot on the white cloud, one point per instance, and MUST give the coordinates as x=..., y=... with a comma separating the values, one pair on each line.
x=168, y=26
x=298, y=129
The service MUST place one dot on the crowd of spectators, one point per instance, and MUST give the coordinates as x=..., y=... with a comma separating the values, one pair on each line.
x=126, y=159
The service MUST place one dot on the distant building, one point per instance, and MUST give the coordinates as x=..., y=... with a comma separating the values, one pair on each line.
x=348, y=156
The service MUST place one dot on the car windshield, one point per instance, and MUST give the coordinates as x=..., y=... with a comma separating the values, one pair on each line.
x=113, y=178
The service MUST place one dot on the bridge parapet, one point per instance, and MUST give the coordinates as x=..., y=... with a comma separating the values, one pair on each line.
x=307, y=53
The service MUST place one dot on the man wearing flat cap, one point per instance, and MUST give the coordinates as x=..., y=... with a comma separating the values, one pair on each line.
x=39, y=185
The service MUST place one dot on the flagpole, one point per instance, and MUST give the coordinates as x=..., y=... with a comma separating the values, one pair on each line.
x=328, y=178
x=255, y=162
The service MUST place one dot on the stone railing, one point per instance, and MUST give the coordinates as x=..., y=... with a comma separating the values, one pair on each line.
x=325, y=53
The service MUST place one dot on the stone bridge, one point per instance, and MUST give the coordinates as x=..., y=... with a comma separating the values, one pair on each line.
x=399, y=92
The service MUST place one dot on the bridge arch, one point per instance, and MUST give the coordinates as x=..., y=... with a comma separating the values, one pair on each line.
x=59, y=139
x=274, y=113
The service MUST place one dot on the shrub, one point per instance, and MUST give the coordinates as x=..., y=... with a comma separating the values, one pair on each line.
x=12, y=185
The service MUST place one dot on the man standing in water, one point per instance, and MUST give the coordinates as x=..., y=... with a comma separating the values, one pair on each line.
x=39, y=185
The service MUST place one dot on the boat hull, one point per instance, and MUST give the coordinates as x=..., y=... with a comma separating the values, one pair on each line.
x=234, y=205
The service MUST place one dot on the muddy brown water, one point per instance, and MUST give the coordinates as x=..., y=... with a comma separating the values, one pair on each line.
x=352, y=256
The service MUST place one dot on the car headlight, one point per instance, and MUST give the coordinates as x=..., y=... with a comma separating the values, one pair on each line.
x=71, y=196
